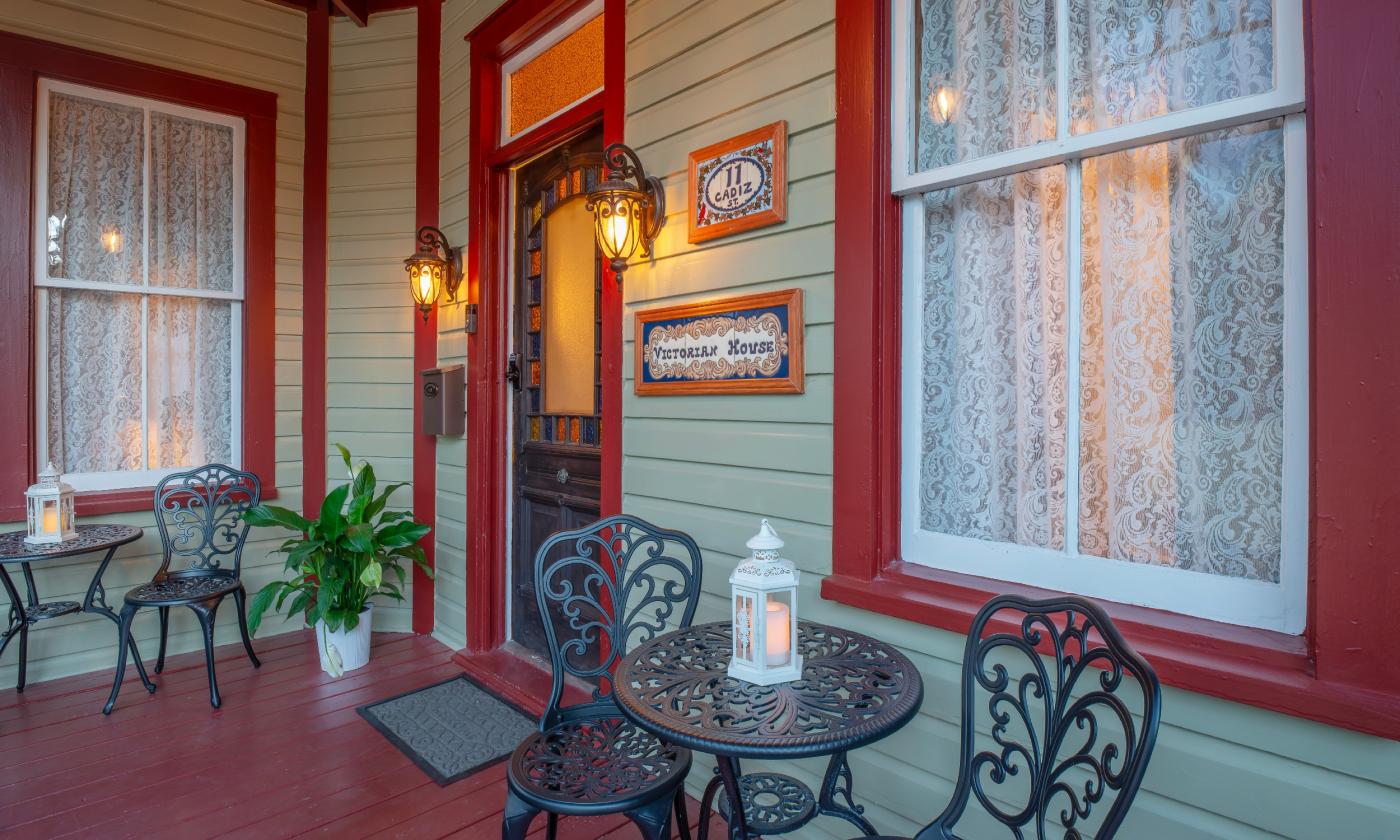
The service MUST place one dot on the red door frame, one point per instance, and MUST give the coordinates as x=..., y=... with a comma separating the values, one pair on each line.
x=503, y=33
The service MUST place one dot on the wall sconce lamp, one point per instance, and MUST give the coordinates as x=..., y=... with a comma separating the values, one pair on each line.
x=629, y=208
x=435, y=266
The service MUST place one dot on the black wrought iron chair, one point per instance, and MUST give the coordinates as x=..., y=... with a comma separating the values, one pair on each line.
x=200, y=517
x=600, y=589
x=1076, y=727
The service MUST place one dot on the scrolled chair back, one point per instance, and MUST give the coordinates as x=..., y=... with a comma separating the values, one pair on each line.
x=199, y=513
x=1060, y=750
x=605, y=587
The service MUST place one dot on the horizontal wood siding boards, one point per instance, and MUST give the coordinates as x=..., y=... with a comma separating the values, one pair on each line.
x=711, y=466
x=369, y=335
x=248, y=42
x=450, y=589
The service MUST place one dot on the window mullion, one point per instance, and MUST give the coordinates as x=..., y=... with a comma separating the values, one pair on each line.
x=1062, y=70
x=145, y=284
x=1074, y=231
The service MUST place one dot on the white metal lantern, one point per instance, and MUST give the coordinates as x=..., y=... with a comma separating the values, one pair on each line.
x=50, y=510
x=764, y=614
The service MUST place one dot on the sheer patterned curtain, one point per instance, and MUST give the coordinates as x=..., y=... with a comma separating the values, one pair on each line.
x=1180, y=282
x=135, y=380
x=190, y=340
x=1182, y=353
x=94, y=219
x=994, y=386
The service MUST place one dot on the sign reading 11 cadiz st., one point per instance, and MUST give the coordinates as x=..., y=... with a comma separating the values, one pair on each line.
x=750, y=344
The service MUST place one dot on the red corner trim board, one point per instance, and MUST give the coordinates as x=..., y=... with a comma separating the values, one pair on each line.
x=1343, y=670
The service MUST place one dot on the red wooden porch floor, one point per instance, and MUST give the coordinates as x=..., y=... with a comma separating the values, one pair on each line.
x=287, y=754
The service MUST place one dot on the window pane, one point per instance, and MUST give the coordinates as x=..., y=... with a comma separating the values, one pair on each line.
x=557, y=78
x=985, y=74
x=570, y=272
x=191, y=203
x=1135, y=59
x=994, y=338
x=93, y=350
x=1182, y=353
x=189, y=342
x=94, y=202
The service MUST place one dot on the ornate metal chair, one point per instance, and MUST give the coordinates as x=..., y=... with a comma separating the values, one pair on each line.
x=600, y=589
x=200, y=517
x=1064, y=735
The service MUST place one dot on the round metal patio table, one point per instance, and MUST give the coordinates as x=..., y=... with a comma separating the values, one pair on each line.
x=30, y=611
x=854, y=690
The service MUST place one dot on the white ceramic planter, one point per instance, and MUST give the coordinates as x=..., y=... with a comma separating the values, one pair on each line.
x=351, y=646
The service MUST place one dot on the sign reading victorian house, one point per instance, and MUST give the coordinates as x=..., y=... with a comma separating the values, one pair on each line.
x=750, y=344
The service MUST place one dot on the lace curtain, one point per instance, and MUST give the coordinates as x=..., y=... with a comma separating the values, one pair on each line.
x=1180, y=277
x=96, y=362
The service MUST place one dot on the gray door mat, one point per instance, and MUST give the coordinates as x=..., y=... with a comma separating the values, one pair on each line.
x=450, y=729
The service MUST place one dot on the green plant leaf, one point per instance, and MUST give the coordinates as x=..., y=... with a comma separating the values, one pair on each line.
x=374, y=508
x=360, y=538
x=259, y=605
x=402, y=534
x=266, y=516
x=345, y=456
x=332, y=523
x=364, y=481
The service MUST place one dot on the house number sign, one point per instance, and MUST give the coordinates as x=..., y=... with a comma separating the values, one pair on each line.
x=738, y=184
x=740, y=345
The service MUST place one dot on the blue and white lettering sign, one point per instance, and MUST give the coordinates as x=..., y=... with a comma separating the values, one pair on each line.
x=738, y=184
x=749, y=344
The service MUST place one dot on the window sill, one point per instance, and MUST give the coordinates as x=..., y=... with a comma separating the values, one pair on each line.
x=131, y=500
x=1240, y=664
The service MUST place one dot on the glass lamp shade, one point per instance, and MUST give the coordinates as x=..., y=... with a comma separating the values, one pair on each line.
x=49, y=510
x=618, y=218
x=425, y=279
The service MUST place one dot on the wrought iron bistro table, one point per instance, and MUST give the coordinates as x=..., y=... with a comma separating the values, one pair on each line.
x=90, y=539
x=854, y=690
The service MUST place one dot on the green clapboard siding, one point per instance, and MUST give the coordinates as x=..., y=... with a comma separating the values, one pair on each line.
x=701, y=72
x=249, y=42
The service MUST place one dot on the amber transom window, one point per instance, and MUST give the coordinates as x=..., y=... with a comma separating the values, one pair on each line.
x=557, y=70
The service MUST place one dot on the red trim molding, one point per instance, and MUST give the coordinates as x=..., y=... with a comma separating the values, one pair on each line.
x=1342, y=671
x=488, y=403
x=425, y=330
x=614, y=115
x=22, y=61
x=314, y=255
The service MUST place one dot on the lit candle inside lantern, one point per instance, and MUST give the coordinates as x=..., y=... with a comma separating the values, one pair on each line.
x=779, y=647
x=50, y=519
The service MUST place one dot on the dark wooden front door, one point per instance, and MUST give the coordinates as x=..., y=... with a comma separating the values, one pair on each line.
x=555, y=364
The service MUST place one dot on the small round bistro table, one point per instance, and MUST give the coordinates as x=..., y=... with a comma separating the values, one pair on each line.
x=854, y=690
x=90, y=539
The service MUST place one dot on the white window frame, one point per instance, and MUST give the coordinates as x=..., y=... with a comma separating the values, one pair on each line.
x=1273, y=606
x=129, y=479
x=562, y=30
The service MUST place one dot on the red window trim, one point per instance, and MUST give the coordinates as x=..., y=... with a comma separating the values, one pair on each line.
x=1342, y=670
x=22, y=61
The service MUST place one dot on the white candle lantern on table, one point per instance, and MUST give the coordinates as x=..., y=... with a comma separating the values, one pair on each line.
x=764, y=614
x=49, y=508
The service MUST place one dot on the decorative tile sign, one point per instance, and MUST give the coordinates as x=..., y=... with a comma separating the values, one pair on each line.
x=738, y=184
x=740, y=345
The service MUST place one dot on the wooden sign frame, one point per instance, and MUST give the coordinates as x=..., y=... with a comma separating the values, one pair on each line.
x=709, y=164
x=702, y=314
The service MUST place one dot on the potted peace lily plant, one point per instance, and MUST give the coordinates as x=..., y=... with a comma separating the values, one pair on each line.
x=343, y=558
